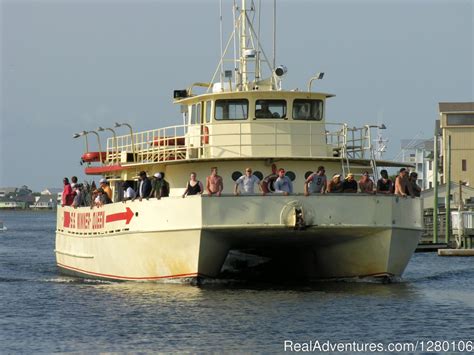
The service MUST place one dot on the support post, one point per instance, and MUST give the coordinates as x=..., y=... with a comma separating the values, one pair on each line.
x=448, y=190
x=435, y=188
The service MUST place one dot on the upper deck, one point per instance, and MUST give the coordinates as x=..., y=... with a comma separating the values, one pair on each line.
x=255, y=124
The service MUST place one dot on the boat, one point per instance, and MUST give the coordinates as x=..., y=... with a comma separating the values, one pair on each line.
x=2, y=227
x=320, y=236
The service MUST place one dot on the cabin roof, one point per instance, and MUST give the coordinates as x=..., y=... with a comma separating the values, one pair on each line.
x=255, y=94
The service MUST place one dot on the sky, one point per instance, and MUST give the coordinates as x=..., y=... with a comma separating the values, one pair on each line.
x=68, y=66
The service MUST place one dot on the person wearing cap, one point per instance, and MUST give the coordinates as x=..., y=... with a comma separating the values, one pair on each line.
x=384, y=184
x=245, y=184
x=103, y=183
x=335, y=184
x=144, y=187
x=349, y=184
x=402, y=186
x=160, y=187
x=283, y=184
x=414, y=186
x=366, y=185
x=316, y=183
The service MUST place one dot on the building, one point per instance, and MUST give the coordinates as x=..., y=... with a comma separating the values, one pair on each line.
x=8, y=191
x=45, y=202
x=7, y=203
x=57, y=192
x=466, y=193
x=457, y=122
x=419, y=153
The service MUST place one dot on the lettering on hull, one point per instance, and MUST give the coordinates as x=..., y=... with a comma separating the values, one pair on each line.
x=95, y=219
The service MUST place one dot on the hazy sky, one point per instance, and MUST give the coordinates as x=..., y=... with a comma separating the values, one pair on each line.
x=67, y=66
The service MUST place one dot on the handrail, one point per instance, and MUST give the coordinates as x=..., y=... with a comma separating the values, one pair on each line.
x=209, y=141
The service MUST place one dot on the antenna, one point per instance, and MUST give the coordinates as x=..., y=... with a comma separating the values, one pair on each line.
x=222, y=44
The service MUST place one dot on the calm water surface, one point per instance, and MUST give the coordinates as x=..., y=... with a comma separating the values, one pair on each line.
x=43, y=311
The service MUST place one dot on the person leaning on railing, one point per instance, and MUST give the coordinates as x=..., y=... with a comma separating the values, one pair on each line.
x=335, y=184
x=283, y=184
x=316, y=183
x=366, y=185
x=384, y=184
x=194, y=186
x=349, y=185
x=245, y=184
x=214, y=183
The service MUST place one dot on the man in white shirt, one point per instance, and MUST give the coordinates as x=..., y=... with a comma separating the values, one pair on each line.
x=246, y=183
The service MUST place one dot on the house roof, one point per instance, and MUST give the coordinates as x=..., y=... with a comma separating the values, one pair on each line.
x=8, y=190
x=45, y=199
x=456, y=107
x=51, y=191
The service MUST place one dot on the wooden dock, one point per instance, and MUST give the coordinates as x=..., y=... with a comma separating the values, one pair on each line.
x=456, y=252
x=429, y=247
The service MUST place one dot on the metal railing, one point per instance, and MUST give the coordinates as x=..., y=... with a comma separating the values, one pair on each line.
x=241, y=139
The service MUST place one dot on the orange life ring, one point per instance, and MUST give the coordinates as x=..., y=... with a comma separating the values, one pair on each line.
x=90, y=157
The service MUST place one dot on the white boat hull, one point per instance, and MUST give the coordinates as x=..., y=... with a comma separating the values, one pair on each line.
x=368, y=236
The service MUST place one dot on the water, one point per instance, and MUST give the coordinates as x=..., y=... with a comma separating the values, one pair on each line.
x=43, y=311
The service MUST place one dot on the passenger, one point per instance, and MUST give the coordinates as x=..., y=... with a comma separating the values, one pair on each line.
x=283, y=184
x=102, y=198
x=144, y=187
x=104, y=184
x=214, y=184
x=68, y=195
x=160, y=187
x=79, y=196
x=384, y=184
x=366, y=185
x=402, y=186
x=73, y=181
x=264, y=111
x=165, y=186
x=414, y=186
x=246, y=183
x=316, y=183
x=349, y=185
x=335, y=185
x=128, y=191
x=269, y=181
x=194, y=187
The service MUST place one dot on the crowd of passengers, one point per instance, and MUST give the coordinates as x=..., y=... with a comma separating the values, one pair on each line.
x=76, y=195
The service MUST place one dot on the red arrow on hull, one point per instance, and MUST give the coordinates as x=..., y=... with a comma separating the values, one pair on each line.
x=127, y=215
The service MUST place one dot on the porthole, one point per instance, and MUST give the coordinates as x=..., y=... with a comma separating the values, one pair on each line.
x=307, y=175
x=258, y=174
x=291, y=175
x=236, y=175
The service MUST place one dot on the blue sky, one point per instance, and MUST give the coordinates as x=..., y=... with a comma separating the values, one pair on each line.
x=67, y=66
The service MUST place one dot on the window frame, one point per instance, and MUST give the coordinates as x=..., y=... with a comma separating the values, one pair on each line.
x=285, y=109
x=216, y=105
x=310, y=101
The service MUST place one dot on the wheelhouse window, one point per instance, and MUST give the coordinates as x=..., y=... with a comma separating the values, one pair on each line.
x=270, y=109
x=236, y=109
x=311, y=110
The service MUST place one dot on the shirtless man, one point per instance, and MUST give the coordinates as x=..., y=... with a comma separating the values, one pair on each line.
x=402, y=184
x=214, y=184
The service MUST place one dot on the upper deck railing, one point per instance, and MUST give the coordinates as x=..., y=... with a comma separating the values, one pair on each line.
x=241, y=139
